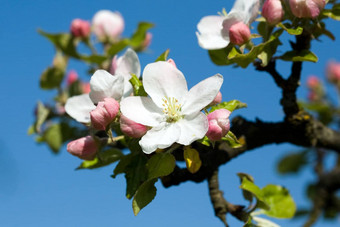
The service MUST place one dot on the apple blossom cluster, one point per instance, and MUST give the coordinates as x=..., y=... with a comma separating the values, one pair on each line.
x=217, y=32
x=169, y=113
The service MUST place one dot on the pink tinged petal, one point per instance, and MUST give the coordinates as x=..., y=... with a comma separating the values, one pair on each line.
x=84, y=148
x=79, y=108
x=162, y=136
x=104, y=85
x=193, y=127
x=209, y=33
x=113, y=66
x=142, y=110
x=162, y=80
x=202, y=94
x=172, y=62
x=104, y=113
x=131, y=128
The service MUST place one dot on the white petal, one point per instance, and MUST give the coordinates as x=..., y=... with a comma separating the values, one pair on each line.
x=248, y=8
x=161, y=79
x=193, y=127
x=104, y=85
x=126, y=65
x=209, y=33
x=79, y=107
x=142, y=110
x=202, y=94
x=161, y=137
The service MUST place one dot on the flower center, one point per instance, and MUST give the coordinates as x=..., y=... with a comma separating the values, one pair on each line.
x=172, y=109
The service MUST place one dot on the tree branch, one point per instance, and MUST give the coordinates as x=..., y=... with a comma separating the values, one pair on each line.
x=220, y=204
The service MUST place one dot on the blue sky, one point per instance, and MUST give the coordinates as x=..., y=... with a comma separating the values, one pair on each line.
x=39, y=188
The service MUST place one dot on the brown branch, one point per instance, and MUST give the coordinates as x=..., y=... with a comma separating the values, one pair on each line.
x=220, y=204
x=301, y=130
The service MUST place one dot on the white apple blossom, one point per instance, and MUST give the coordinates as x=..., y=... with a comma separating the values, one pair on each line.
x=104, y=85
x=213, y=31
x=173, y=112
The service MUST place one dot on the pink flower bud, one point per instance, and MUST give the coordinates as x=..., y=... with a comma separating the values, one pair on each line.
x=86, y=88
x=172, y=62
x=80, y=28
x=333, y=72
x=307, y=8
x=147, y=41
x=84, y=148
x=131, y=128
x=239, y=33
x=217, y=99
x=104, y=113
x=72, y=77
x=107, y=24
x=272, y=11
x=219, y=124
x=313, y=82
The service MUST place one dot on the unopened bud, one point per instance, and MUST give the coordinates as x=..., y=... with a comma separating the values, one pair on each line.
x=131, y=128
x=307, y=8
x=313, y=82
x=219, y=124
x=104, y=113
x=107, y=24
x=217, y=99
x=84, y=148
x=86, y=87
x=333, y=72
x=80, y=28
x=273, y=12
x=239, y=33
x=72, y=77
x=147, y=41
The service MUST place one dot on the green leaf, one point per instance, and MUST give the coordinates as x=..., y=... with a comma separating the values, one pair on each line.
x=117, y=47
x=304, y=55
x=103, y=158
x=135, y=174
x=205, y=141
x=161, y=164
x=137, y=85
x=270, y=49
x=288, y=28
x=138, y=37
x=94, y=59
x=122, y=165
x=192, y=159
x=42, y=113
x=231, y=106
x=56, y=134
x=232, y=140
x=246, y=194
x=144, y=195
x=292, y=163
x=219, y=57
x=51, y=78
x=333, y=13
x=163, y=56
x=279, y=200
x=62, y=41
x=53, y=137
x=249, y=186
